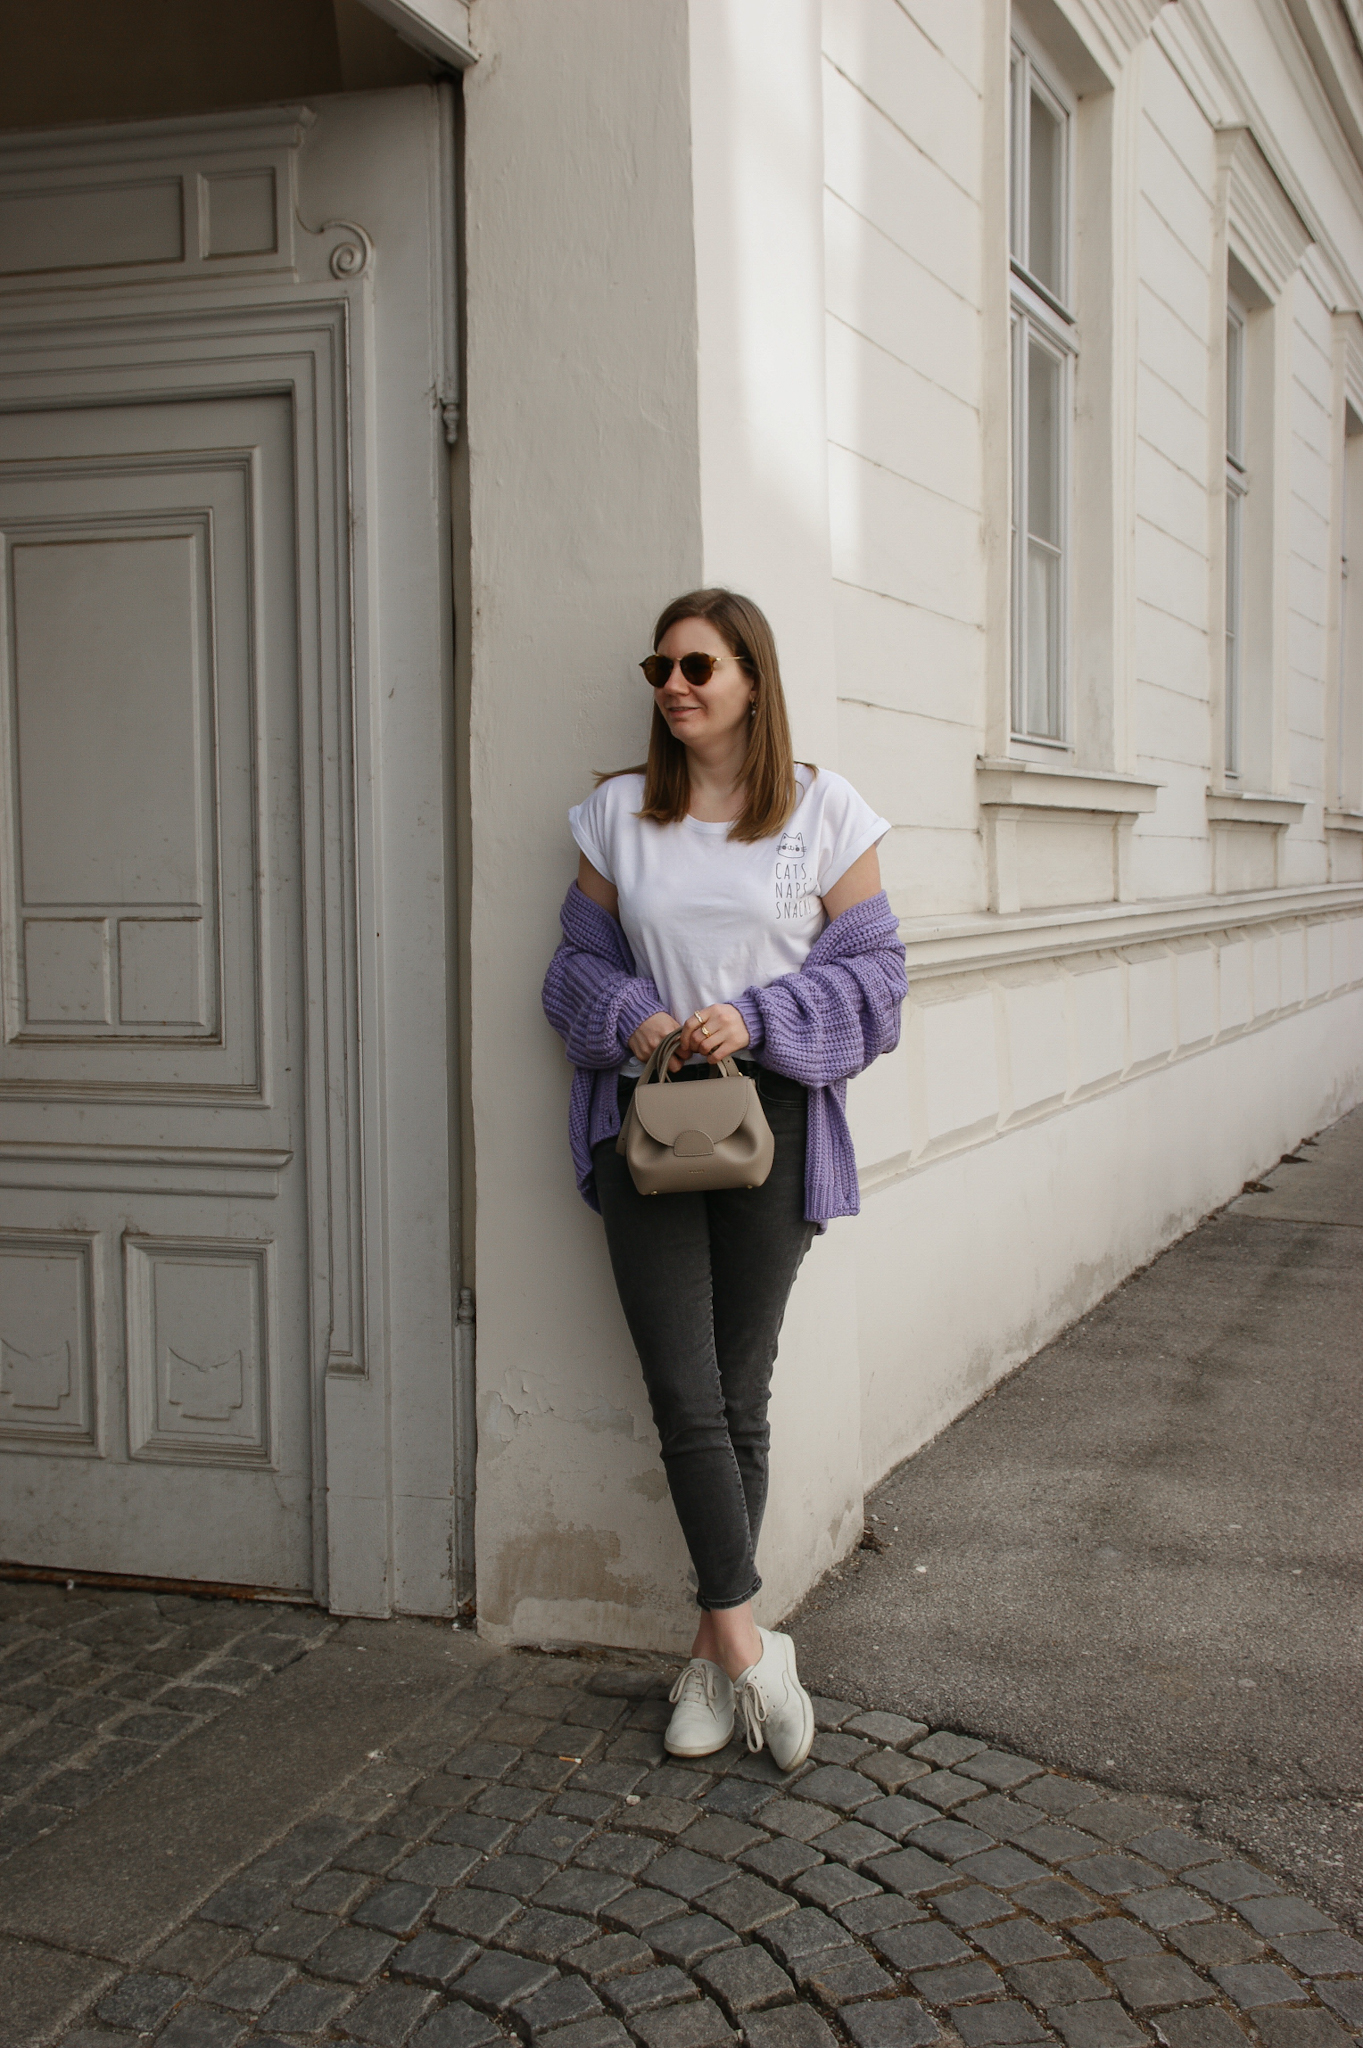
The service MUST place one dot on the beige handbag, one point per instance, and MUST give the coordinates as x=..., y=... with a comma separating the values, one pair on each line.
x=692, y=1136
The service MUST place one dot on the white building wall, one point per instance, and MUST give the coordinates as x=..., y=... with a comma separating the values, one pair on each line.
x=1172, y=854
x=1312, y=571
x=1079, y=1080
x=904, y=146
x=1071, y=1107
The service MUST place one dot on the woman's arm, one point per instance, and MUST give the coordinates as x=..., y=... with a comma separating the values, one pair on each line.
x=656, y=1028
x=593, y=883
x=861, y=882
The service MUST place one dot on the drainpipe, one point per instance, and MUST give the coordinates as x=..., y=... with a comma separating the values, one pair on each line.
x=466, y=1452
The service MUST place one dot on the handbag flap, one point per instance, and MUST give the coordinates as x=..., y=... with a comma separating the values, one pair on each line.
x=667, y=1108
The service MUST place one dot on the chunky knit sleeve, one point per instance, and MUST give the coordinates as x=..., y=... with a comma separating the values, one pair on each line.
x=840, y=1010
x=591, y=994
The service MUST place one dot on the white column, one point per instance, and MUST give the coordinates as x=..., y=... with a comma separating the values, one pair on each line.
x=757, y=174
x=758, y=177
x=646, y=412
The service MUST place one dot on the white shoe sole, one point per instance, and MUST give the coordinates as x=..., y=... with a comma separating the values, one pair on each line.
x=697, y=1749
x=807, y=1736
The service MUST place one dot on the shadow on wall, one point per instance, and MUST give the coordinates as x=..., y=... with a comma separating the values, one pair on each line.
x=122, y=60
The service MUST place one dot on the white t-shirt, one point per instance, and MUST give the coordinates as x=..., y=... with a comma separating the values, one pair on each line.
x=707, y=916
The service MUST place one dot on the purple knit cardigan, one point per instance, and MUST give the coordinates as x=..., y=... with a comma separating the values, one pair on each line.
x=828, y=1020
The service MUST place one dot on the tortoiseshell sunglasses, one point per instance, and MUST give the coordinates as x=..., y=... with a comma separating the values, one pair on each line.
x=697, y=668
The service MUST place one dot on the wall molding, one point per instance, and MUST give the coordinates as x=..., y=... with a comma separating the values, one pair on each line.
x=203, y=200
x=1267, y=233
x=1349, y=341
x=1330, y=30
x=246, y=1171
x=1051, y=1030
x=1038, y=785
x=888, y=1173
x=1193, y=44
x=1108, y=31
x=1192, y=65
x=438, y=28
x=1227, y=806
x=981, y=943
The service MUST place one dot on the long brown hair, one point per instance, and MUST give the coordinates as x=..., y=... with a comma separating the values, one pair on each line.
x=768, y=770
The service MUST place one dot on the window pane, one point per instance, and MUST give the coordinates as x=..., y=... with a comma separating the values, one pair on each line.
x=1043, y=445
x=1235, y=387
x=1042, y=685
x=1015, y=113
x=1045, y=197
x=1234, y=559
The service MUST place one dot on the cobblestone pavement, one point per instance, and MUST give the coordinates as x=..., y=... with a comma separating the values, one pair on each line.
x=94, y=1685
x=529, y=1864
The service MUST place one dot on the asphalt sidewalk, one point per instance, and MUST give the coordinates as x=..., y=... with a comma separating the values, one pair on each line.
x=1141, y=1558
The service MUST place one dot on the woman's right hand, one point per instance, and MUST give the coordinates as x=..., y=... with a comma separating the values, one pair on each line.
x=650, y=1035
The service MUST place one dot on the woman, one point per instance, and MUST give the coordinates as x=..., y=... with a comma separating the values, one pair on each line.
x=728, y=892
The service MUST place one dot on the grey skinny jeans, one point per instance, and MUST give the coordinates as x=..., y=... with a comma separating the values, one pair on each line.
x=704, y=1280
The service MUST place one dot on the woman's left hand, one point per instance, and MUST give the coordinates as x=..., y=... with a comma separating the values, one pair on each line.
x=718, y=1031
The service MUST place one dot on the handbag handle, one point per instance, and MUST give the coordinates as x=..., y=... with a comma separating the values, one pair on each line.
x=658, y=1059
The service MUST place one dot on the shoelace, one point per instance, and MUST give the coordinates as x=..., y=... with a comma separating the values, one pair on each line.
x=696, y=1685
x=752, y=1705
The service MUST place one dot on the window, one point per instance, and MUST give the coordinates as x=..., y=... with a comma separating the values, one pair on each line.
x=1044, y=348
x=1237, y=491
x=1345, y=744
x=1261, y=241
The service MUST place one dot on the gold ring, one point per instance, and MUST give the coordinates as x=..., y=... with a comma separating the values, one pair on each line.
x=696, y=1014
x=705, y=1031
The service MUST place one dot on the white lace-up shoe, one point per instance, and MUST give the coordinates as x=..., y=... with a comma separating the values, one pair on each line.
x=774, y=1705
x=703, y=1721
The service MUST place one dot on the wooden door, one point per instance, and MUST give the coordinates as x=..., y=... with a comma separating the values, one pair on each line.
x=155, y=1409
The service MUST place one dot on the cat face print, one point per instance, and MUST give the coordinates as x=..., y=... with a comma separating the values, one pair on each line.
x=792, y=846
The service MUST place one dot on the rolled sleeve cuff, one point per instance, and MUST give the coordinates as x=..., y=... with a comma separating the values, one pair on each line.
x=638, y=1003
x=752, y=1017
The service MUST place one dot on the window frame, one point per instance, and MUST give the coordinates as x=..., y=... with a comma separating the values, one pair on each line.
x=1043, y=319
x=1344, y=753
x=1237, y=484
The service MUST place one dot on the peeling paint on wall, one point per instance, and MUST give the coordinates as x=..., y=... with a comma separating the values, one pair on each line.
x=508, y=1409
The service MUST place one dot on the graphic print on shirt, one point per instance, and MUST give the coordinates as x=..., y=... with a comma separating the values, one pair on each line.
x=793, y=882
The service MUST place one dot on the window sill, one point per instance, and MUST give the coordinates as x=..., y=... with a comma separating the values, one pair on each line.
x=1344, y=821
x=1246, y=807
x=1248, y=834
x=1048, y=826
x=1045, y=786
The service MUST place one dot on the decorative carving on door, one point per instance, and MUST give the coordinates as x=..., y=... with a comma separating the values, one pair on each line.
x=201, y=1371
x=205, y=1393
x=47, y=1341
x=36, y=1383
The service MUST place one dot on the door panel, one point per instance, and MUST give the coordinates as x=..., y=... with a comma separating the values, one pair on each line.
x=154, y=1345
x=129, y=729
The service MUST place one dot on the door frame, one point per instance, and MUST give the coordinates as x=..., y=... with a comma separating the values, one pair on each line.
x=296, y=322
